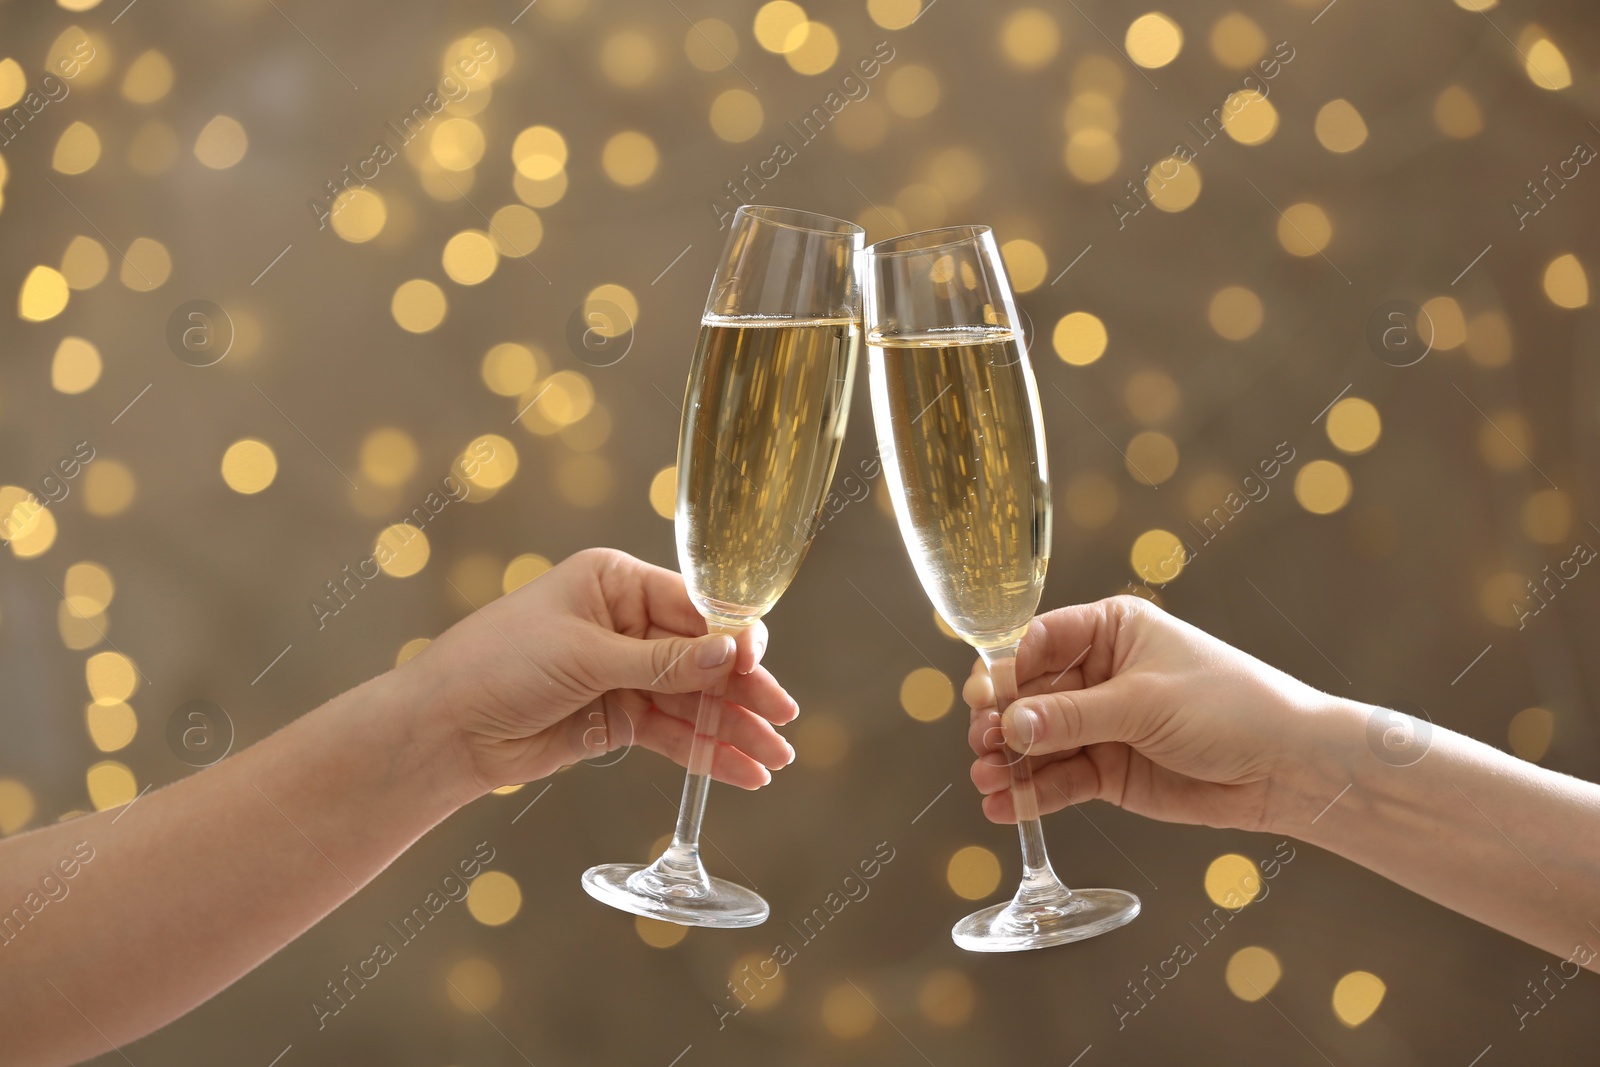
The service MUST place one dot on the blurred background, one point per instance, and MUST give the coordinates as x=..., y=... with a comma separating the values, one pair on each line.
x=279, y=265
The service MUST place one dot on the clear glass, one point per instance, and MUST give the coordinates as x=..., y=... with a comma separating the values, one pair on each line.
x=763, y=418
x=962, y=445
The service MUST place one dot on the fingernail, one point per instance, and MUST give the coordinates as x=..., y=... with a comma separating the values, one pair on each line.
x=1023, y=725
x=713, y=651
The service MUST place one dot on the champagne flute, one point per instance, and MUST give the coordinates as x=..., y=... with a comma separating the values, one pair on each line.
x=962, y=445
x=763, y=418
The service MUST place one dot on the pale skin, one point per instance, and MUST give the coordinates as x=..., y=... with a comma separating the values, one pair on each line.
x=1122, y=702
x=197, y=883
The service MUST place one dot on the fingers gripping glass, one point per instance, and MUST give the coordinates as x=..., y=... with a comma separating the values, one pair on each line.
x=962, y=446
x=763, y=418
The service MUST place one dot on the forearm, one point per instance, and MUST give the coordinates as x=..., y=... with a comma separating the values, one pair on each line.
x=195, y=884
x=1511, y=844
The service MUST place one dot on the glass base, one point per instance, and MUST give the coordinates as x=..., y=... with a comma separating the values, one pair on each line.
x=706, y=901
x=1012, y=928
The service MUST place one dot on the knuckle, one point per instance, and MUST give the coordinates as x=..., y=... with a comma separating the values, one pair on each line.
x=1063, y=720
x=664, y=657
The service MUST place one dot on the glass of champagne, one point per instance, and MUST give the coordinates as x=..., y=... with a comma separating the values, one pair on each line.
x=961, y=440
x=763, y=418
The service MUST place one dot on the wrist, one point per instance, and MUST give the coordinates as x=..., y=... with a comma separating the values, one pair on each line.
x=433, y=748
x=1324, y=743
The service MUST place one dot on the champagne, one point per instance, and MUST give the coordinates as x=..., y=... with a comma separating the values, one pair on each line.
x=762, y=424
x=963, y=454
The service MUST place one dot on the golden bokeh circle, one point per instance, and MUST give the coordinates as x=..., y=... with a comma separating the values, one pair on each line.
x=76, y=366
x=1153, y=40
x=1157, y=556
x=664, y=492
x=388, y=456
x=108, y=488
x=658, y=933
x=973, y=872
x=474, y=985
x=1026, y=264
x=1530, y=732
x=469, y=257
x=1566, y=283
x=358, y=215
x=847, y=1013
x=817, y=51
x=400, y=550
x=1232, y=881
x=17, y=806
x=1029, y=38
x=736, y=115
x=926, y=694
x=1353, y=425
x=222, y=142
x=1237, y=41
x=1249, y=117
x=1235, y=313
x=1152, y=457
x=1340, y=127
x=630, y=158
x=110, y=784
x=1322, y=487
x=249, y=465
x=1356, y=996
x=522, y=570
x=1079, y=338
x=1304, y=229
x=1252, y=973
x=418, y=306
x=946, y=997
x=1173, y=184
x=494, y=898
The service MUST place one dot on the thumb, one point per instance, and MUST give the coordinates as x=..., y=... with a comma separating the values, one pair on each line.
x=666, y=665
x=1052, y=722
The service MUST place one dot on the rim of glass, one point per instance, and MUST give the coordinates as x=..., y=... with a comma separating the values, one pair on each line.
x=928, y=240
x=795, y=219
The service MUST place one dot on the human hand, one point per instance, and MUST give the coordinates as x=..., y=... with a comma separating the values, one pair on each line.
x=601, y=652
x=1121, y=701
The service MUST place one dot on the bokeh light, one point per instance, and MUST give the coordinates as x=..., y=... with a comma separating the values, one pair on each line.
x=1252, y=973
x=1356, y=996
x=418, y=306
x=249, y=465
x=110, y=785
x=847, y=1013
x=926, y=694
x=1029, y=38
x=1340, y=127
x=522, y=570
x=1157, y=556
x=494, y=898
x=1322, y=486
x=973, y=873
x=401, y=550
x=1079, y=338
x=1353, y=425
x=75, y=367
x=1232, y=881
x=1304, y=229
x=222, y=143
x=630, y=158
x=1235, y=313
x=1153, y=40
x=1530, y=732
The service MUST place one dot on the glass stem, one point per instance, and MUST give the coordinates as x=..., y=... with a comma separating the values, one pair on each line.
x=681, y=861
x=1040, y=886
